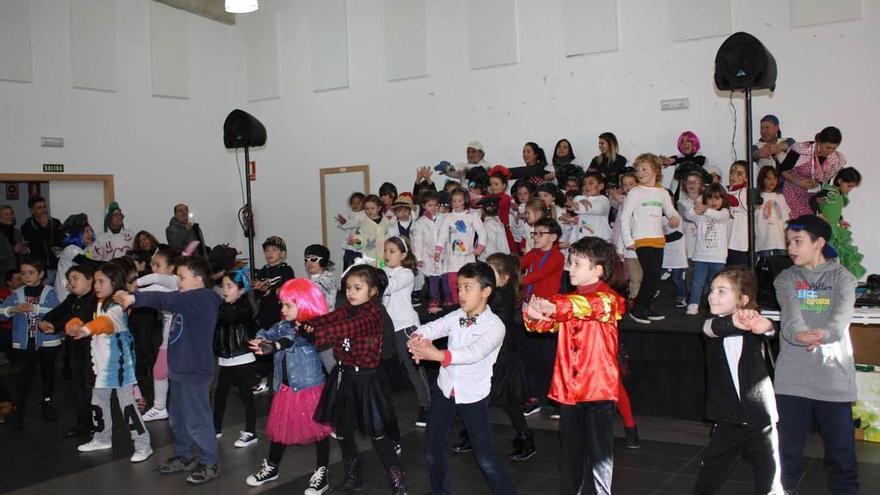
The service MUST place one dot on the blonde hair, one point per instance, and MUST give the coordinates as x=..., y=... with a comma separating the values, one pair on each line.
x=652, y=160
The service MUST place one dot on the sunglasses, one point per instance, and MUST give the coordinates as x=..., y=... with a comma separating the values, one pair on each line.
x=312, y=259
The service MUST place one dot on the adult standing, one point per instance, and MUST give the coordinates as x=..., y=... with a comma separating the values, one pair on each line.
x=476, y=157
x=609, y=162
x=563, y=154
x=12, y=244
x=116, y=240
x=533, y=156
x=771, y=148
x=43, y=234
x=807, y=166
x=181, y=230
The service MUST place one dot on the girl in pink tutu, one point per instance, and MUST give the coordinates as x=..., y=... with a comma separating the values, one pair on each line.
x=298, y=384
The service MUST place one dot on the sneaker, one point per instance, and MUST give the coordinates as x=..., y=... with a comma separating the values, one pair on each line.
x=262, y=386
x=666, y=275
x=93, y=445
x=656, y=294
x=176, y=464
x=632, y=437
x=554, y=414
x=692, y=309
x=654, y=316
x=318, y=483
x=523, y=447
x=266, y=474
x=463, y=447
x=219, y=434
x=639, y=316
x=141, y=455
x=203, y=474
x=422, y=418
x=245, y=440
x=680, y=302
x=398, y=448
x=49, y=413
x=531, y=407
x=155, y=414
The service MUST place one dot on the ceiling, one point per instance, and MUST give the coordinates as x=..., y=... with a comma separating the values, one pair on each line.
x=211, y=9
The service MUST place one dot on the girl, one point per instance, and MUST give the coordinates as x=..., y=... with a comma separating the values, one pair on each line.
x=522, y=192
x=693, y=191
x=829, y=204
x=235, y=327
x=712, y=218
x=496, y=241
x=388, y=195
x=608, y=162
x=350, y=223
x=509, y=385
x=400, y=265
x=592, y=209
x=162, y=279
x=457, y=235
x=298, y=384
x=688, y=160
x=78, y=240
x=807, y=166
x=423, y=241
x=113, y=359
x=641, y=228
x=738, y=247
x=740, y=397
x=498, y=177
x=771, y=216
x=534, y=210
x=369, y=237
x=631, y=261
x=358, y=398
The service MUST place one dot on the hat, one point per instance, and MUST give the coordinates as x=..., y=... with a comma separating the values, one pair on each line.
x=770, y=118
x=114, y=207
x=712, y=170
x=816, y=226
x=276, y=241
x=317, y=250
x=475, y=145
x=405, y=200
x=75, y=224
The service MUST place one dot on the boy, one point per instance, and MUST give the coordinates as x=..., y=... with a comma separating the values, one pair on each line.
x=80, y=303
x=268, y=280
x=424, y=235
x=190, y=366
x=350, y=224
x=402, y=226
x=26, y=307
x=475, y=336
x=815, y=375
x=542, y=277
x=585, y=375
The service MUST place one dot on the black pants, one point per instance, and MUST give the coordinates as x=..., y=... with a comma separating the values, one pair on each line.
x=539, y=357
x=759, y=447
x=146, y=348
x=586, y=428
x=241, y=376
x=651, y=259
x=83, y=380
x=29, y=361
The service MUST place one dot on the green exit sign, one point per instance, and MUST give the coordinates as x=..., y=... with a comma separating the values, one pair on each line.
x=53, y=167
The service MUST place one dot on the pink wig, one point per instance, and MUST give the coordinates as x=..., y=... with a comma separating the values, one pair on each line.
x=308, y=298
x=689, y=136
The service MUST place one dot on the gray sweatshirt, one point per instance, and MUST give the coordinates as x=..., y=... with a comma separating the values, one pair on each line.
x=821, y=298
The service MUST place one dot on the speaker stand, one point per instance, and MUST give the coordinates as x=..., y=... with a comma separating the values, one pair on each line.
x=249, y=212
x=750, y=181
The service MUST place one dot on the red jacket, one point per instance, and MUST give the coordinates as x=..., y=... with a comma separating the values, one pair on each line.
x=586, y=368
x=542, y=279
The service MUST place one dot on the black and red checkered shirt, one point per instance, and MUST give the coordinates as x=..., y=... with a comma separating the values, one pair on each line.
x=356, y=333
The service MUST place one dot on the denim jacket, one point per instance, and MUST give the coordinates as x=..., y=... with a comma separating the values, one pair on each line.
x=48, y=300
x=304, y=368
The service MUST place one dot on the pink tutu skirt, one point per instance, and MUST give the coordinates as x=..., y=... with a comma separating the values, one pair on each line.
x=290, y=417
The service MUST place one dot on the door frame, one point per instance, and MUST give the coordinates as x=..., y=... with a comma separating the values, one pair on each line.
x=105, y=179
x=365, y=169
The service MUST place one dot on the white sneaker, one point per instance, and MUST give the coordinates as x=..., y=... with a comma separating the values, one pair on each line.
x=155, y=414
x=692, y=309
x=93, y=445
x=318, y=483
x=141, y=455
x=246, y=439
x=266, y=474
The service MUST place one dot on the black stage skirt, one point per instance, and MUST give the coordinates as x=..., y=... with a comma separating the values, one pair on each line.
x=357, y=400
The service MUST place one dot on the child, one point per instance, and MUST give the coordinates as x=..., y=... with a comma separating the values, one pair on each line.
x=400, y=265
x=533, y=210
x=815, y=375
x=358, y=398
x=424, y=238
x=388, y=196
x=190, y=366
x=369, y=237
x=499, y=175
x=542, y=267
x=320, y=269
x=829, y=204
x=740, y=396
x=475, y=336
x=631, y=261
x=592, y=209
x=78, y=240
x=675, y=261
x=235, y=327
x=770, y=218
x=35, y=347
x=693, y=192
x=403, y=213
x=113, y=357
x=496, y=232
x=522, y=192
x=268, y=280
x=641, y=229
x=162, y=279
x=738, y=244
x=712, y=217
x=79, y=303
x=509, y=384
x=350, y=223
x=298, y=384
x=585, y=383
x=455, y=242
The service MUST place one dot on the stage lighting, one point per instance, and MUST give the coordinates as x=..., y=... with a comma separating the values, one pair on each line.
x=243, y=130
x=743, y=62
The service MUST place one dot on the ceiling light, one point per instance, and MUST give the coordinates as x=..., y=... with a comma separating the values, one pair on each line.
x=241, y=6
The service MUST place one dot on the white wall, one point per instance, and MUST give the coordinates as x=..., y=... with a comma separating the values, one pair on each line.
x=827, y=74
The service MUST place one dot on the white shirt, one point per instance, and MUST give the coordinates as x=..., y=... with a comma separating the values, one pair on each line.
x=110, y=246
x=592, y=221
x=712, y=234
x=739, y=232
x=674, y=254
x=770, y=231
x=398, y=298
x=473, y=350
x=496, y=238
x=642, y=211
x=424, y=238
x=690, y=228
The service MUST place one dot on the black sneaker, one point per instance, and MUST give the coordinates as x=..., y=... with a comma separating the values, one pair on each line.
x=639, y=316
x=653, y=315
x=266, y=474
x=463, y=447
x=203, y=474
x=318, y=483
x=531, y=407
x=632, y=437
x=177, y=464
x=523, y=448
x=422, y=418
x=680, y=302
x=49, y=413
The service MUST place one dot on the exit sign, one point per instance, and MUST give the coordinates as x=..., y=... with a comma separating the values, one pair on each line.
x=53, y=167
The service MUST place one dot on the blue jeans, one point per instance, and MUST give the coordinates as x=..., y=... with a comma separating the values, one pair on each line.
x=677, y=276
x=703, y=272
x=838, y=436
x=476, y=419
x=191, y=420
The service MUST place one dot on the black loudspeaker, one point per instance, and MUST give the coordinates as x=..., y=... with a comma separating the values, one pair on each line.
x=743, y=62
x=766, y=271
x=242, y=130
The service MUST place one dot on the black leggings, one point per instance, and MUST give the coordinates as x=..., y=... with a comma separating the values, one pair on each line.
x=651, y=259
x=29, y=361
x=241, y=376
x=322, y=453
x=383, y=447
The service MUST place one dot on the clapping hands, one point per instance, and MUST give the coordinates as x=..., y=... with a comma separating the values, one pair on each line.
x=423, y=349
x=751, y=320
